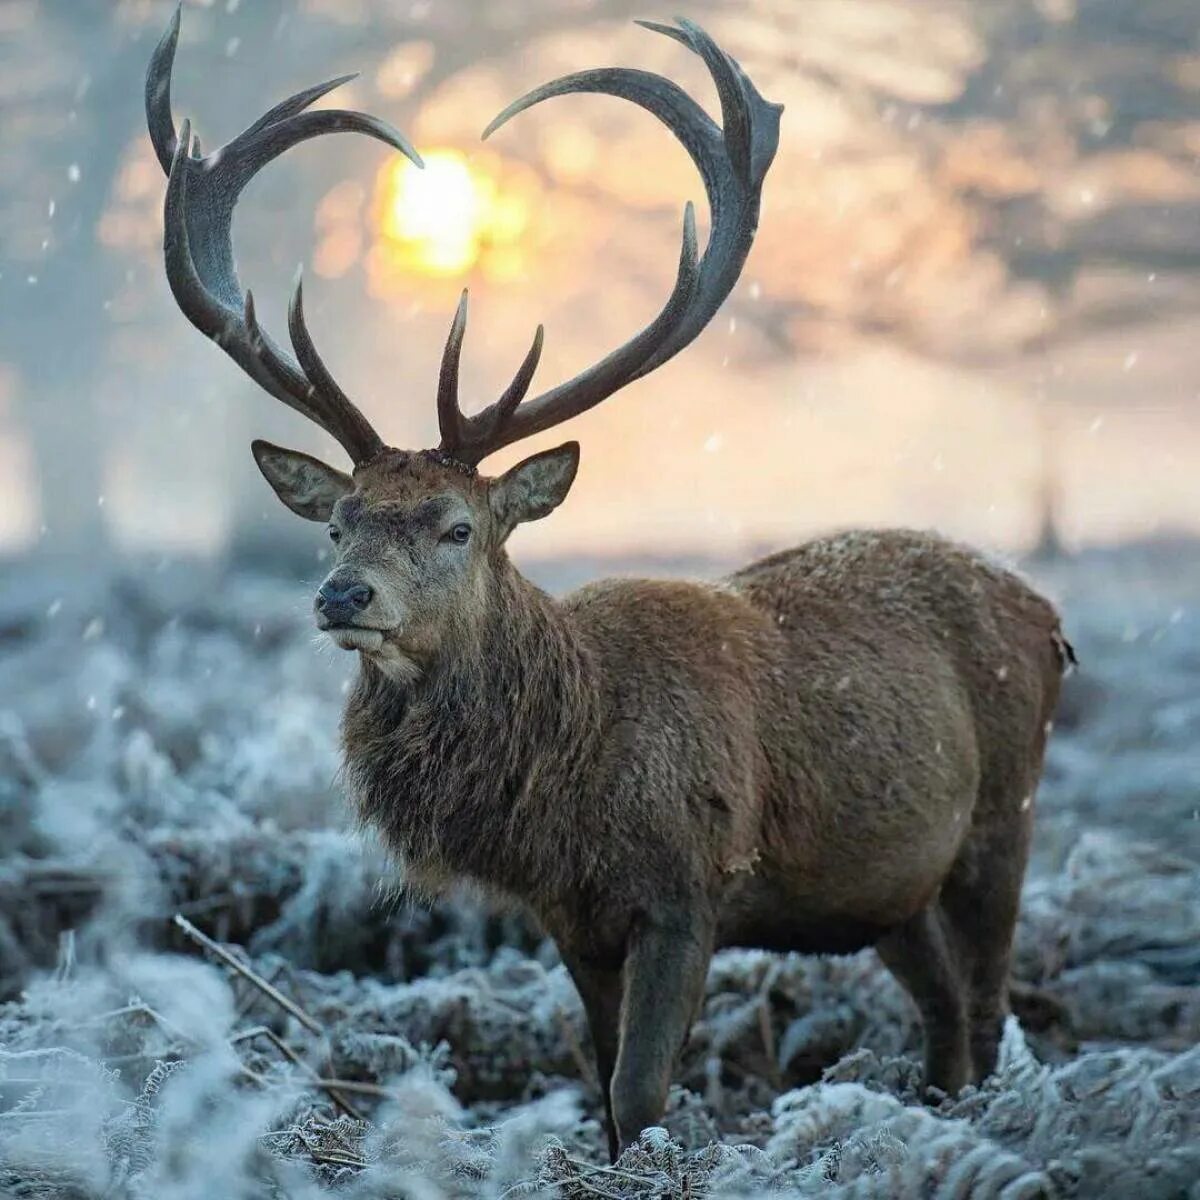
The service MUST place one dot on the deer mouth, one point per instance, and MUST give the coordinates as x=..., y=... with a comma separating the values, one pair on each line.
x=355, y=637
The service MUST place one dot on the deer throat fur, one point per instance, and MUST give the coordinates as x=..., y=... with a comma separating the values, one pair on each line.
x=473, y=773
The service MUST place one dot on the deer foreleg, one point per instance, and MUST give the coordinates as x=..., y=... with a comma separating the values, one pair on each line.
x=665, y=970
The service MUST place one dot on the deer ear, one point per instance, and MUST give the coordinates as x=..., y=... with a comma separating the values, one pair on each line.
x=534, y=488
x=305, y=484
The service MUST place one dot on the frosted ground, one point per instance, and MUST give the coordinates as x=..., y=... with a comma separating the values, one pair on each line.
x=167, y=746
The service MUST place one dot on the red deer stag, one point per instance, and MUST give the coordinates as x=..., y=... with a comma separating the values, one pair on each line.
x=835, y=747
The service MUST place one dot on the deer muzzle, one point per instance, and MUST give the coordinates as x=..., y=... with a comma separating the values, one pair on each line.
x=341, y=600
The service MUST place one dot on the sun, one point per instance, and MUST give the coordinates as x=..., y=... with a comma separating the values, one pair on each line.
x=441, y=220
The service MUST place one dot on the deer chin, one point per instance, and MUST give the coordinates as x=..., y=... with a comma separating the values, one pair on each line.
x=382, y=647
x=397, y=664
x=351, y=637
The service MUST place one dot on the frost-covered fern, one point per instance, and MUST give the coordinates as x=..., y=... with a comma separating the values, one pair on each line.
x=163, y=757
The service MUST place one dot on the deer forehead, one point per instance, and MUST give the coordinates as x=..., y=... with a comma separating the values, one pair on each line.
x=358, y=512
x=401, y=481
x=405, y=491
x=408, y=472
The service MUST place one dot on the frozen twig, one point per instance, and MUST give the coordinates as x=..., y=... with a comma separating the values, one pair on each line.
x=765, y=1029
x=334, y=1158
x=357, y=1086
x=248, y=999
x=267, y=989
x=586, y=1072
x=331, y=1087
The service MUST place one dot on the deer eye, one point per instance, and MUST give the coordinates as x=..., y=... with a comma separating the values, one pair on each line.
x=459, y=534
x=335, y=533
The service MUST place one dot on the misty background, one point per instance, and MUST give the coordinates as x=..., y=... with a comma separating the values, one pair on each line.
x=974, y=301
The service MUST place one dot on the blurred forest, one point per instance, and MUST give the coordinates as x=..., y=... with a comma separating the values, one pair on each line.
x=973, y=302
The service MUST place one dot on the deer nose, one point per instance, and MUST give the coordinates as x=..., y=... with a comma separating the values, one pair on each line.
x=340, y=600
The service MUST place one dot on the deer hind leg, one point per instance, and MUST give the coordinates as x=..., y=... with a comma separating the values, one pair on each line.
x=600, y=990
x=981, y=899
x=921, y=955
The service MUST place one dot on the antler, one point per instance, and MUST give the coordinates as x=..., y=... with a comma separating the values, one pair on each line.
x=732, y=161
x=198, y=245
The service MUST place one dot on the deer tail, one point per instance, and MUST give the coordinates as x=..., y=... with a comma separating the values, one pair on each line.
x=1067, y=658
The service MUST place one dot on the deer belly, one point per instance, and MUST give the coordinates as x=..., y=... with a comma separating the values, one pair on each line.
x=771, y=915
x=771, y=920
x=842, y=892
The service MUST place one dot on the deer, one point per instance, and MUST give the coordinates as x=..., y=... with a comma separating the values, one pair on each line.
x=835, y=747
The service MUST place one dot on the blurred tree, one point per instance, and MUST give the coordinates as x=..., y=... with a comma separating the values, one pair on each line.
x=58, y=113
x=980, y=181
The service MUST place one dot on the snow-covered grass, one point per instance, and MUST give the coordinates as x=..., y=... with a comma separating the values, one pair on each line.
x=167, y=746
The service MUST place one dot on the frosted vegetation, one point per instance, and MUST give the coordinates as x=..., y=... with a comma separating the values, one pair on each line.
x=167, y=746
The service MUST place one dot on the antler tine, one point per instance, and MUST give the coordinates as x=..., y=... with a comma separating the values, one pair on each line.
x=351, y=422
x=462, y=436
x=732, y=160
x=451, y=422
x=507, y=420
x=515, y=392
x=159, y=120
x=750, y=138
x=281, y=371
x=299, y=102
x=250, y=151
x=316, y=385
x=198, y=247
x=730, y=83
x=612, y=372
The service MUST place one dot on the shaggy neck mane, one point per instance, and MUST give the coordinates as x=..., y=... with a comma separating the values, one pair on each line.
x=490, y=753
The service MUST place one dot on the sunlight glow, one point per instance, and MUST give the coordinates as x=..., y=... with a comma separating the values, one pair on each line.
x=440, y=220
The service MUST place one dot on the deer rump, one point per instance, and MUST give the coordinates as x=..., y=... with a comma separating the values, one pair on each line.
x=835, y=747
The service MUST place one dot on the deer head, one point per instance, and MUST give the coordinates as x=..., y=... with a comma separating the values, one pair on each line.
x=420, y=535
